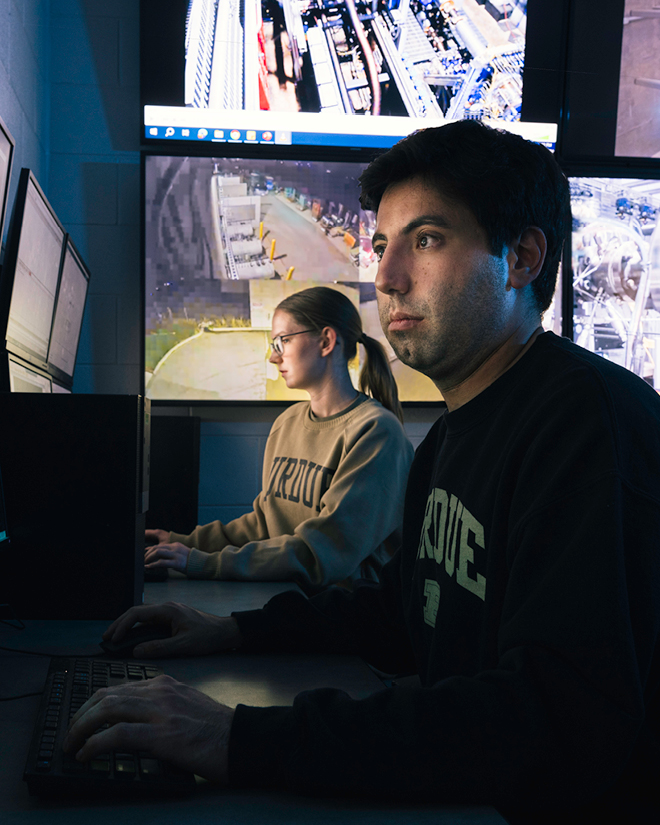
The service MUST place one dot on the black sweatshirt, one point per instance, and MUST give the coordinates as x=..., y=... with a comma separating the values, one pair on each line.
x=526, y=595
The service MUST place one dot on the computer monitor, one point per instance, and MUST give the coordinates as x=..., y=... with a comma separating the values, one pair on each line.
x=68, y=317
x=615, y=262
x=30, y=273
x=6, y=158
x=23, y=378
x=363, y=73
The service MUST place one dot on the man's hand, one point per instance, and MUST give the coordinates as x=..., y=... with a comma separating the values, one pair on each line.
x=193, y=633
x=167, y=555
x=161, y=716
x=156, y=536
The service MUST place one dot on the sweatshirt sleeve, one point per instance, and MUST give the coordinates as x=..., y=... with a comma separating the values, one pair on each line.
x=360, y=510
x=215, y=536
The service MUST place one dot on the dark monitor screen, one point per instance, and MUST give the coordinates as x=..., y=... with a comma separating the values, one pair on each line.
x=615, y=252
x=354, y=74
x=32, y=264
x=69, y=310
x=6, y=157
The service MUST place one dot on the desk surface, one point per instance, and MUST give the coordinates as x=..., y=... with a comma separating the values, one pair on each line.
x=230, y=678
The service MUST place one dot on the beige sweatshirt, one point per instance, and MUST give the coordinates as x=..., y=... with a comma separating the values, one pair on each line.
x=330, y=508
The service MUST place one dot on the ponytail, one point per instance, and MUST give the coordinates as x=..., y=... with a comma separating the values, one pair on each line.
x=321, y=306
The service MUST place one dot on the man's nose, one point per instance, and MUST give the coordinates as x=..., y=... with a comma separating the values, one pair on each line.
x=392, y=269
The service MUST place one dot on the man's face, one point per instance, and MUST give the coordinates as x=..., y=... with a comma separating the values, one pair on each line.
x=443, y=299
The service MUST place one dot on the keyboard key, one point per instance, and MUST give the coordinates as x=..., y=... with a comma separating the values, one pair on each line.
x=150, y=768
x=125, y=765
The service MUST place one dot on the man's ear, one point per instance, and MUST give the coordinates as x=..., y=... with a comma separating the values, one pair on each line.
x=526, y=257
x=329, y=340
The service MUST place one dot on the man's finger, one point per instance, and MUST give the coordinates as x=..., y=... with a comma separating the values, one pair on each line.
x=130, y=736
x=124, y=703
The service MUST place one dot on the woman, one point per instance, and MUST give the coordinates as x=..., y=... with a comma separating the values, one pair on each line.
x=335, y=467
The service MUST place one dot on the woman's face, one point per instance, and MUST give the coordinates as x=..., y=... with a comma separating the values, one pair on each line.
x=300, y=364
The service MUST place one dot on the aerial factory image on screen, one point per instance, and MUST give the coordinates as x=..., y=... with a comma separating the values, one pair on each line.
x=225, y=241
x=616, y=271
x=417, y=58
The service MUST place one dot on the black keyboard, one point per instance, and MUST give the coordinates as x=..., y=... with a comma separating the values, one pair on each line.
x=49, y=771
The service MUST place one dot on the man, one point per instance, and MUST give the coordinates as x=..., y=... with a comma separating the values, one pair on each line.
x=526, y=593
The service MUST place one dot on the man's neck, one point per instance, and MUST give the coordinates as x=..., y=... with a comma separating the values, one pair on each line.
x=495, y=365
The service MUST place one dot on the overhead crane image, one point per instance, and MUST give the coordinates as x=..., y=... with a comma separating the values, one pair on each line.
x=439, y=58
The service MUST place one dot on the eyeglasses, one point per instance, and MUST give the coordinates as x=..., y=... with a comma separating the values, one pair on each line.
x=277, y=344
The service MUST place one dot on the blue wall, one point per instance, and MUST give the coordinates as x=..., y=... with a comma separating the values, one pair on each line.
x=25, y=84
x=94, y=181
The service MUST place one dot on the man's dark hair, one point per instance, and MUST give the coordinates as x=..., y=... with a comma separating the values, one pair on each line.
x=508, y=184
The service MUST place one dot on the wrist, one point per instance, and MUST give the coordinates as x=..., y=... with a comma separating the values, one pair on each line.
x=229, y=636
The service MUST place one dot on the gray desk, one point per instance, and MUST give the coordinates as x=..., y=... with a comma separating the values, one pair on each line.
x=231, y=678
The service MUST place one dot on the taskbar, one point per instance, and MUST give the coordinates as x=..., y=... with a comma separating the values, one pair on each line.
x=189, y=125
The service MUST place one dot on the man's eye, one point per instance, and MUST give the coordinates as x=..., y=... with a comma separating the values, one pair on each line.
x=379, y=250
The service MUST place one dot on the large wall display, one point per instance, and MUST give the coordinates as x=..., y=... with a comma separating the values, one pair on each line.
x=616, y=271
x=285, y=71
x=225, y=241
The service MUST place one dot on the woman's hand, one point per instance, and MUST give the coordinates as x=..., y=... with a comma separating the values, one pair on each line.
x=167, y=555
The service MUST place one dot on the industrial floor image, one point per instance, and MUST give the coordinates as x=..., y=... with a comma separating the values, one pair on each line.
x=421, y=58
